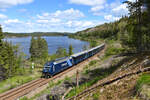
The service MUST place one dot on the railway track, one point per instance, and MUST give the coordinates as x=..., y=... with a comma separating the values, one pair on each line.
x=28, y=87
x=101, y=84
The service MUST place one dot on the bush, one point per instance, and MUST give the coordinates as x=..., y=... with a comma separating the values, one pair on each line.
x=93, y=62
x=96, y=96
x=24, y=98
x=113, y=51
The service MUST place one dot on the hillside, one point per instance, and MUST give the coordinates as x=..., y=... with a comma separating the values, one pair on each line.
x=116, y=36
x=105, y=31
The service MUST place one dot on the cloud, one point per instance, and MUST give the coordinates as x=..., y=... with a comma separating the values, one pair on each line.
x=10, y=21
x=2, y=16
x=114, y=10
x=52, y=20
x=82, y=24
x=9, y=3
x=111, y=18
x=132, y=0
x=62, y=14
x=69, y=20
x=97, y=8
x=88, y=2
x=120, y=10
x=95, y=5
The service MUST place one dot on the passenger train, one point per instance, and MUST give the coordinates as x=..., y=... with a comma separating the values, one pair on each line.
x=52, y=68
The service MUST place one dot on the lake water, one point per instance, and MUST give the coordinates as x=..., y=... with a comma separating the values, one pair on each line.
x=53, y=43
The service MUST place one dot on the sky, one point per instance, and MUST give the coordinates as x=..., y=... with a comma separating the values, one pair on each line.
x=58, y=15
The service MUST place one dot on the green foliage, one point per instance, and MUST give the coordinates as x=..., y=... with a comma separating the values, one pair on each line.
x=24, y=98
x=132, y=31
x=113, y=51
x=70, y=50
x=98, y=75
x=1, y=36
x=20, y=78
x=38, y=49
x=138, y=37
x=93, y=43
x=9, y=58
x=144, y=79
x=93, y=62
x=96, y=96
x=61, y=52
x=67, y=78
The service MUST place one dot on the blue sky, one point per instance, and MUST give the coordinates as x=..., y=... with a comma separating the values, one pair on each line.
x=58, y=15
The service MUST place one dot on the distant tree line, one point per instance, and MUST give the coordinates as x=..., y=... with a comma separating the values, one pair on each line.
x=35, y=34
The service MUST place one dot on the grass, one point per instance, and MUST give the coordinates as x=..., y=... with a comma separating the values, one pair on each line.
x=144, y=79
x=98, y=75
x=96, y=96
x=113, y=51
x=18, y=80
x=110, y=51
x=93, y=62
x=90, y=65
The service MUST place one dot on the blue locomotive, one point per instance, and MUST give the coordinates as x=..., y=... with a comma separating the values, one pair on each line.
x=53, y=67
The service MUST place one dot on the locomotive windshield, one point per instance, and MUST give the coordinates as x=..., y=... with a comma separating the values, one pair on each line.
x=48, y=64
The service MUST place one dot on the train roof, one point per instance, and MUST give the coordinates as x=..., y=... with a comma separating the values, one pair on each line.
x=59, y=60
x=95, y=47
x=80, y=53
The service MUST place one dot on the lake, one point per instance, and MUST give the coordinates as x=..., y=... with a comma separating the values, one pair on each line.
x=53, y=43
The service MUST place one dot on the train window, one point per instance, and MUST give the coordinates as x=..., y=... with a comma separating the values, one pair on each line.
x=53, y=68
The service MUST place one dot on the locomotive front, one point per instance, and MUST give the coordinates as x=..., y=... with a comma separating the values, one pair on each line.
x=47, y=69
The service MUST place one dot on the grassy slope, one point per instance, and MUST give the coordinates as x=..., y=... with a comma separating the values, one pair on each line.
x=112, y=39
x=143, y=86
x=18, y=80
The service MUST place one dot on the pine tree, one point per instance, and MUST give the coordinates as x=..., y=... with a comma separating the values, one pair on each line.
x=38, y=48
x=70, y=50
x=8, y=57
x=138, y=24
x=1, y=36
x=65, y=52
x=33, y=48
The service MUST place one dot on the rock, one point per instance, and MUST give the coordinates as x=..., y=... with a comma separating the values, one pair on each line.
x=43, y=97
x=146, y=63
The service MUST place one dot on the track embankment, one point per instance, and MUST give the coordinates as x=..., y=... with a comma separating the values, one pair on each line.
x=99, y=84
x=36, y=86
